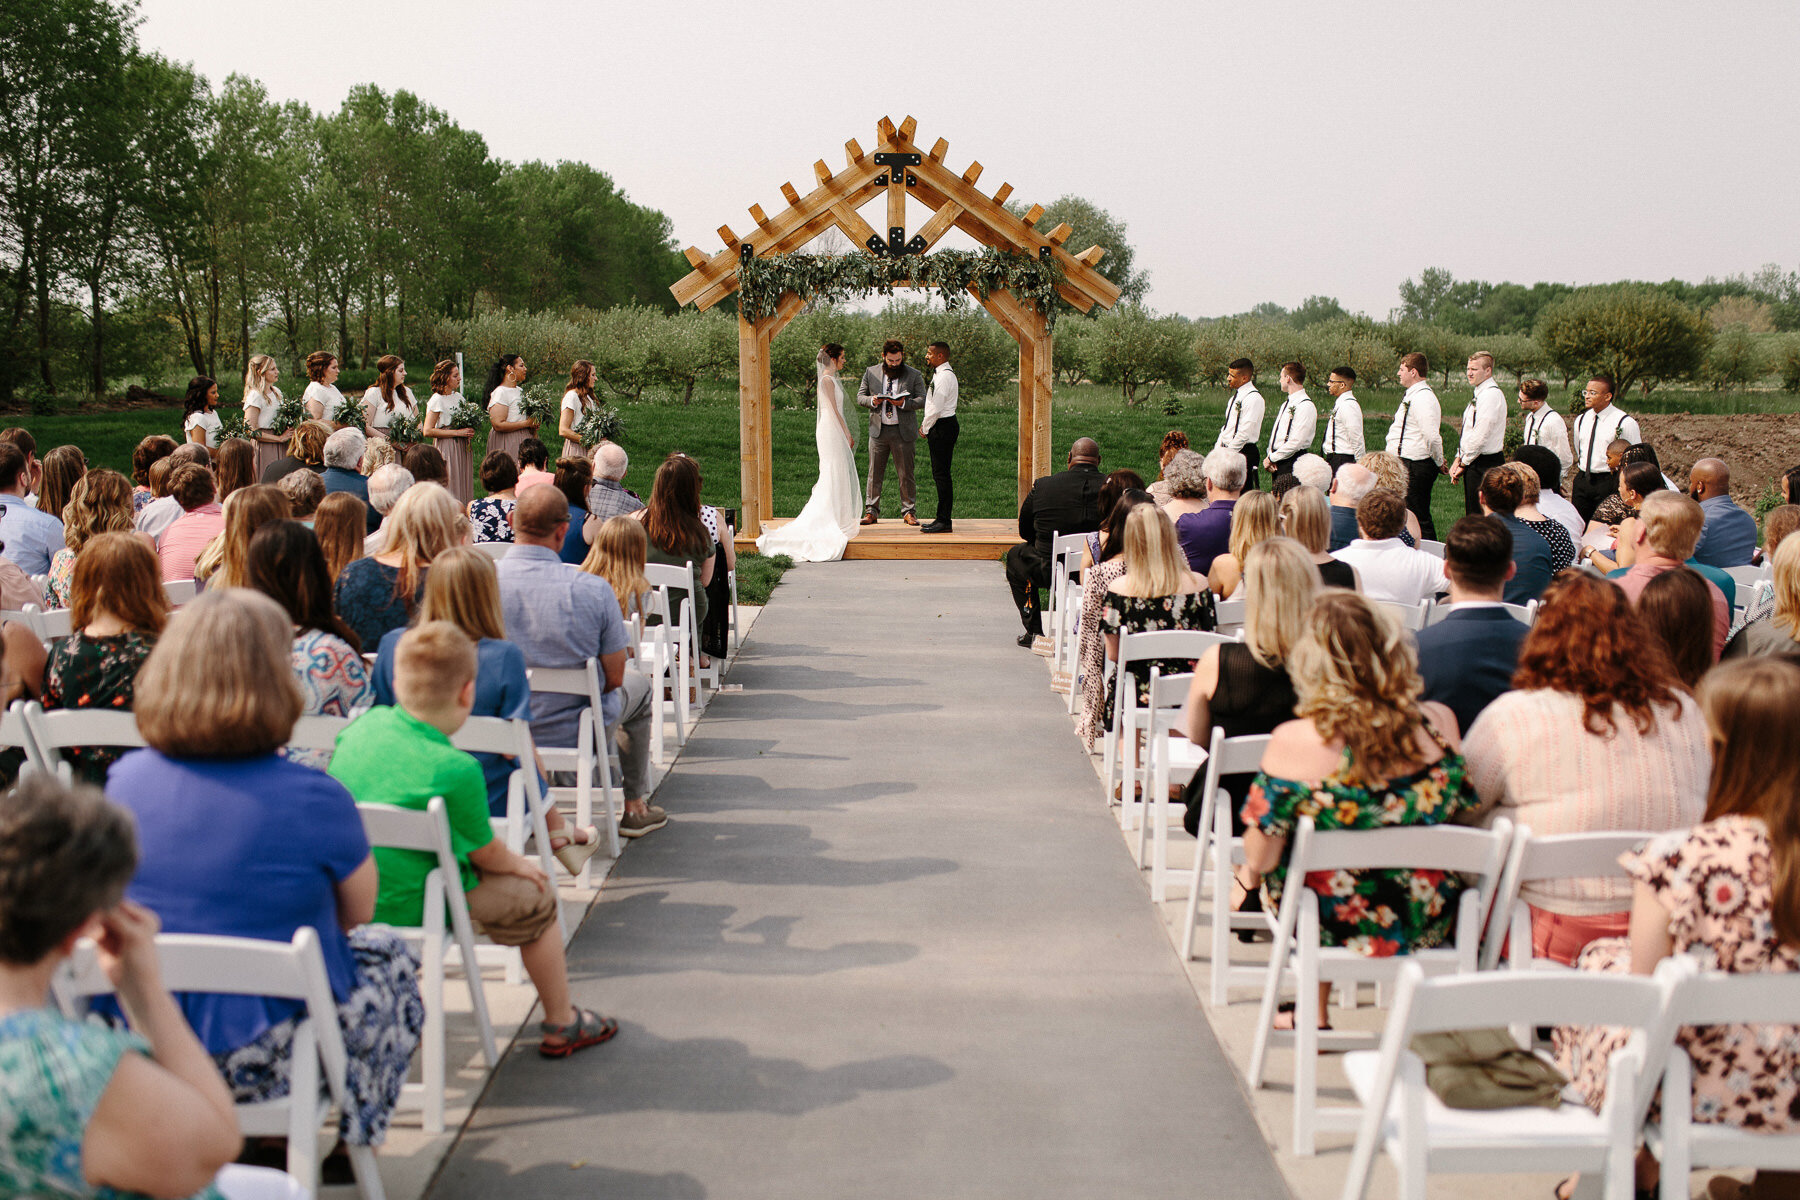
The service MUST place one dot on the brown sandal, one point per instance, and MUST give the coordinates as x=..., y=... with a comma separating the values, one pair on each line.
x=588, y=1028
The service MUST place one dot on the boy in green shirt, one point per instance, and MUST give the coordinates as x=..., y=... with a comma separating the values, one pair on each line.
x=402, y=756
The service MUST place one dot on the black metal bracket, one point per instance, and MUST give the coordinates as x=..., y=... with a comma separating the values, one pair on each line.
x=917, y=245
x=876, y=246
x=881, y=181
x=746, y=252
x=896, y=240
x=897, y=159
x=1046, y=253
x=912, y=180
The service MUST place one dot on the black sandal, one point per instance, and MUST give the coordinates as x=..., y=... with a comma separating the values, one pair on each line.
x=1251, y=903
x=588, y=1028
x=1287, y=1006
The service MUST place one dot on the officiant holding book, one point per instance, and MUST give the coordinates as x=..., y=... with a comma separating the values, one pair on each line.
x=893, y=393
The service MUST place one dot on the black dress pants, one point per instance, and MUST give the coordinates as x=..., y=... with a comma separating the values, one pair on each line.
x=1027, y=570
x=1421, y=474
x=1252, y=456
x=941, y=441
x=1471, y=481
x=1590, y=490
x=1334, y=461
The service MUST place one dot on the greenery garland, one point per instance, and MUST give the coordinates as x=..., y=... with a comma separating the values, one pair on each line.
x=762, y=282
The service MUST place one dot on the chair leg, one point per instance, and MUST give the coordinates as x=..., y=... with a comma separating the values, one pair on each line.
x=1192, y=919
x=1221, y=901
x=1306, y=1036
x=303, y=1121
x=368, y=1173
x=432, y=1050
x=1411, y=1159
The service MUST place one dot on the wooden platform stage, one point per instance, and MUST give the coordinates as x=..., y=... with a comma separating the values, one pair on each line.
x=893, y=538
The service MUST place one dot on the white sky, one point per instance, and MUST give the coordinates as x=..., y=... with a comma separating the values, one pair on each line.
x=1256, y=150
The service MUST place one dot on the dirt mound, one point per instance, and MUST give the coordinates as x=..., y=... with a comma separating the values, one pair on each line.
x=1757, y=447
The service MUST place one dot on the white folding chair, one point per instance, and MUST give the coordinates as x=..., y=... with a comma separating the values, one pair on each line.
x=1684, y=1144
x=1065, y=548
x=279, y=970
x=1121, y=745
x=180, y=591
x=319, y=733
x=656, y=657
x=1173, y=761
x=1435, y=549
x=15, y=736
x=55, y=730
x=1451, y=849
x=1411, y=616
x=428, y=832
x=593, y=751
x=1750, y=576
x=737, y=638
x=1759, y=603
x=1404, y=1119
x=494, y=550
x=27, y=616
x=51, y=624
x=684, y=640
x=1215, y=855
x=1534, y=859
x=1525, y=613
x=1230, y=614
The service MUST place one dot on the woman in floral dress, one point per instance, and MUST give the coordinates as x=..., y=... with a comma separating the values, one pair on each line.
x=1157, y=592
x=1094, y=586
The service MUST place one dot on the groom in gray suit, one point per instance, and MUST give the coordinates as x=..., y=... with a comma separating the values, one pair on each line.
x=893, y=393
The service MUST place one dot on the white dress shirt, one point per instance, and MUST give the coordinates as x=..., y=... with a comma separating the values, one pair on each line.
x=1243, y=420
x=1393, y=571
x=1594, y=431
x=1292, y=433
x=1484, y=423
x=1546, y=428
x=940, y=397
x=1563, y=513
x=1344, y=431
x=1417, y=431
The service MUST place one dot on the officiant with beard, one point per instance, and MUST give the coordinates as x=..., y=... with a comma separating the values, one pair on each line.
x=893, y=393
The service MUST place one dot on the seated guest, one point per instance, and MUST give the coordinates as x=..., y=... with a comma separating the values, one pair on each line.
x=1780, y=521
x=1390, y=473
x=1554, y=533
x=1185, y=473
x=573, y=478
x=147, y=454
x=216, y=702
x=1348, y=488
x=380, y=593
x=618, y=556
x=101, y=503
x=1313, y=471
x=225, y=561
x=202, y=519
x=1728, y=536
x=1502, y=491
x=235, y=466
x=677, y=536
x=343, y=469
x=1779, y=632
x=1613, y=508
x=304, y=491
x=1253, y=521
x=1363, y=752
x=1207, y=534
x=1467, y=659
x=378, y=453
x=1173, y=441
x=1243, y=687
x=91, y=1110
x=534, y=462
x=1157, y=591
x=339, y=524
x=64, y=468
x=27, y=445
x=1676, y=609
x=306, y=452
x=426, y=464
x=156, y=517
x=1095, y=584
x=1600, y=734
x=490, y=516
x=385, y=488
x=1726, y=892
x=1665, y=540
x=1117, y=484
x=1551, y=502
x=117, y=611
x=1284, y=484
x=1066, y=502
x=287, y=566
x=560, y=616
x=31, y=535
x=1306, y=517
x=1390, y=569
x=1636, y=482
x=401, y=754
x=608, y=497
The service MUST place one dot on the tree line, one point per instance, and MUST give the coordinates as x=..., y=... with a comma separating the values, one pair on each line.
x=150, y=224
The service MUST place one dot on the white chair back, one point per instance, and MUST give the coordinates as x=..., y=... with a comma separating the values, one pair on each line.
x=1435, y=549
x=317, y=732
x=494, y=550
x=1186, y=644
x=52, y=624
x=592, y=753
x=55, y=730
x=1534, y=859
x=1230, y=615
x=1750, y=576
x=1411, y=616
x=180, y=591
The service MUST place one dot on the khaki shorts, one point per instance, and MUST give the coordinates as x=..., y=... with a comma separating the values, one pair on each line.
x=511, y=910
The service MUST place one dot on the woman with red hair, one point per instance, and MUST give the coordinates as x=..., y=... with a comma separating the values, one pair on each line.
x=1599, y=734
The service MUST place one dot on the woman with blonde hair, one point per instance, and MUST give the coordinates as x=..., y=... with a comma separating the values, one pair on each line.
x=100, y=503
x=306, y=452
x=378, y=452
x=377, y=594
x=1390, y=473
x=338, y=523
x=220, y=813
x=1157, y=591
x=390, y=397
x=63, y=469
x=453, y=444
x=1779, y=632
x=576, y=402
x=117, y=611
x=618, y=556
x=224, y=562
x=1306, y=517
x=1362, y=753
x=1253, y=521
x=262, y=401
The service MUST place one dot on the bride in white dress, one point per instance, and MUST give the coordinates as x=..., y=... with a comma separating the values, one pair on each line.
x=831, y=516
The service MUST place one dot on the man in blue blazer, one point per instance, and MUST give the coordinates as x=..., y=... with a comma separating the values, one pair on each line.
x=1468, y=658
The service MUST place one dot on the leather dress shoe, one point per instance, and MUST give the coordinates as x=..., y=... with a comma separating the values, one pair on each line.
x=935, y=527
x=1025, y=639
x=909, y=518
x=870, y=518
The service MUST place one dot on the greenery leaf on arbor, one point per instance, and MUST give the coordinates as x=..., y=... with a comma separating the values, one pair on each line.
x=762, y=282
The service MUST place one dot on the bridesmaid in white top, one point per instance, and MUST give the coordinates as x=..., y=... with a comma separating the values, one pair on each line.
x=261, y=401
x=575, y=405
x=201, y=423
x=509, y=422
x=389, y=396
x=321, y=395
x=453, y=444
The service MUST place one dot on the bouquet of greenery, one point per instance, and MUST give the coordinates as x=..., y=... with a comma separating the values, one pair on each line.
x=537, y=404
x=349, y=411
x=232, y=425
x=403, y=430
x=599, y=424
x=466, y=415
x=288, y=414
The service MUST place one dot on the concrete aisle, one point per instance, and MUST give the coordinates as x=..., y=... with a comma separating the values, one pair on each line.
x=888, y=946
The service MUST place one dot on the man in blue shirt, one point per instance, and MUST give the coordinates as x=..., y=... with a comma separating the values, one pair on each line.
x=560, y=616
x=343, y=471
x=31, y=536
x=1728, y=536
x=1502, y=491
x=1348, y=487
x=1207, y=534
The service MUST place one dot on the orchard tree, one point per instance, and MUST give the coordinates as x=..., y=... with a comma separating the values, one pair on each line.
x=1094, y=226
x=1134, y=348
x=1736, y=359
x=1632, y=332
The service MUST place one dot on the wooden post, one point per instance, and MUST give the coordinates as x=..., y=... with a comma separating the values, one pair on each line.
x=1043, y=376
x=1028, y=472
x=755, y=488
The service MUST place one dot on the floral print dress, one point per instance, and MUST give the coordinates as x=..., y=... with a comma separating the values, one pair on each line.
x=62, y=574
x=488, y=518
x=1378, y=912
x=1143, y=614
x=1715, y=880
x=94, y=672
x=1092, y=666
x=334, y=681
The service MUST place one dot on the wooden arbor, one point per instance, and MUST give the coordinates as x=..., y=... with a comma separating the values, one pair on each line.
x=897, y=167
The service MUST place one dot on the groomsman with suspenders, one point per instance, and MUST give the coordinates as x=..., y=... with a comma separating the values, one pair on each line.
x=1544, y=426
x=1344, y=431
x=1243, y=418
x=1417, y=438
x=1595, y=430
x=1483, y=432
x=1292, y=433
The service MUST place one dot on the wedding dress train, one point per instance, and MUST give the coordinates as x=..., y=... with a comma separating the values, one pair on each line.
x=832, y=514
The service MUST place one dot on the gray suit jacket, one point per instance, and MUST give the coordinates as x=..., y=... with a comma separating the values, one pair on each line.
x=869, y=392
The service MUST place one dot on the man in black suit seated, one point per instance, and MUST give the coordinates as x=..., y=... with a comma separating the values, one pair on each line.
x=1066, y=502
x=1468, y=658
